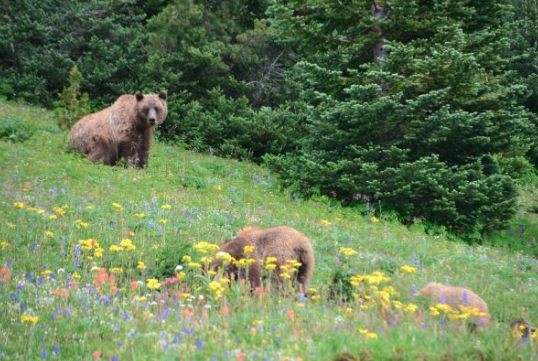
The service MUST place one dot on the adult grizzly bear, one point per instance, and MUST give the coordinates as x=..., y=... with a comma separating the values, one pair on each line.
x=281, y=242
x=456, y=296
x=123, y=130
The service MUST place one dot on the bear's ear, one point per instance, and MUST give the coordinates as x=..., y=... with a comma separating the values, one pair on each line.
x=139, y=96
x=163, y=94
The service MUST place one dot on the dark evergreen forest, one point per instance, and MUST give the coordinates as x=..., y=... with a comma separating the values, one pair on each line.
x=424, y=108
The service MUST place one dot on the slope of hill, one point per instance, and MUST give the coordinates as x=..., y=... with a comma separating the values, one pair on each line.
x=93, y=266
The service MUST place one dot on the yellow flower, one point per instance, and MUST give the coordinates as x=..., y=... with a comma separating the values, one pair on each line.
x=363, y=331
x=316, y=297
x=186, y=295
x=41, y=211
x=90, y=207
x=141, y=298
x=127, y=244
x=270, y=267
x=374, y=220
x=408, y=269
x=186, y=259
x=46, y=272
x=166, y=207
x=49, y=234
x=216, y=288
x=444, y=308
x=285, y=275
x=225, y=257
x=180, y=275
x=98, y=252
x=325, y=223
x=153, y=284
x=141, y=265
x=371, y=336
x=206, y=260
x=4, y=244
x=163, y=221
x=248, y=250
x=31, y=209
x=349, y=310
x=211, y=273
x=139, y=215
x=53, y=216
x=195, y=265
x=115, y=249
x=117, y=207
x=218, y=187
x=397, y=304
x=83, y=225
x=434, y=311
x=18, y=205
x=76, y=276
x=271, y=260
x=116, y=270
x=29, y=319
x=348, y=252
x=411, y=308
x=60, y=210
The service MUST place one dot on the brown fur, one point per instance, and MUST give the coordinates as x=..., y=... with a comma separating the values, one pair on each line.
x=123, y=130
x=453, y=296
x=345, y=357
x=282, y=242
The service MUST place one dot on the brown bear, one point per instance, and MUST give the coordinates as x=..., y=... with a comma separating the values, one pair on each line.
x=281, y=242
x=123, y=130
x=456, y=296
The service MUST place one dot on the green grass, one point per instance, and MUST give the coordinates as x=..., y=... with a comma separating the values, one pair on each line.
x=211, y=199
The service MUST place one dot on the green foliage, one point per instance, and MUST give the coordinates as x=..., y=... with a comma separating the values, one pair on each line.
x=14, y=130
x=74, y=104
x=412, y=127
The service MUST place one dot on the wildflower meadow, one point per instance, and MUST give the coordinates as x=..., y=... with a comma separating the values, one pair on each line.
x=115, y=263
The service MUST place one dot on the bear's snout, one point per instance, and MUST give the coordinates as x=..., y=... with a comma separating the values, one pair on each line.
x=152, y=121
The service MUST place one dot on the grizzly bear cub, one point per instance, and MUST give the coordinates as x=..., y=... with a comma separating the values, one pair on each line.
x=123, y=130
x=456, y=296
x=281, y=242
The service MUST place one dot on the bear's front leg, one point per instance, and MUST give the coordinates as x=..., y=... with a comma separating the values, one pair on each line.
x=143, y=149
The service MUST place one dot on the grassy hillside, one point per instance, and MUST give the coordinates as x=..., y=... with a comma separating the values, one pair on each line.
x=66, y=297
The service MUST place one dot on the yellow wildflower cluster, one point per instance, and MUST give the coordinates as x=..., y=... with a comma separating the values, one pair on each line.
x=116, y=270
x=194, y=265
x=368, y=334
x=4, y=244
x=248, y=250
x=206, y=260
x=115, y=249
x=29, y=319
x=152, y=283
x=374, y=279
x=90, y=207
x=60, y=210
x=325, y=223
x=139, y=215
x=243, y=262
x=19, y=205
x=374, y=220
x=464, y=313
x=348, y=252
x=216, y=289
x=408, y=269
x=205, y=248
x=82, y=224
x=127, y=244
x=46, y=272
x=270, y=263
x=53, y=217
x=49, y=234
x=32, y=209
x=76, y=276
x=314, y=294
x=224, y=257
x=289, y=268
x=166, y=207
x=186, y=259
x=141, y=265
x=117, y=207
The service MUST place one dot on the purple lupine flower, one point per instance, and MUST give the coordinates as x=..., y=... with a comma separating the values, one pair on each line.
x=44, y=354
x=160, y=229
x=465, y=300
x=15, y=177
x=521, y=228
x=63, y=191
x=153, y=200
x=114, y=358
x=414, y=289
x=442, y=300
x=150, y=224
x=30, y=276
x=77, y=255
x=200, y=344
x=56, y=349
x=40, y=280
